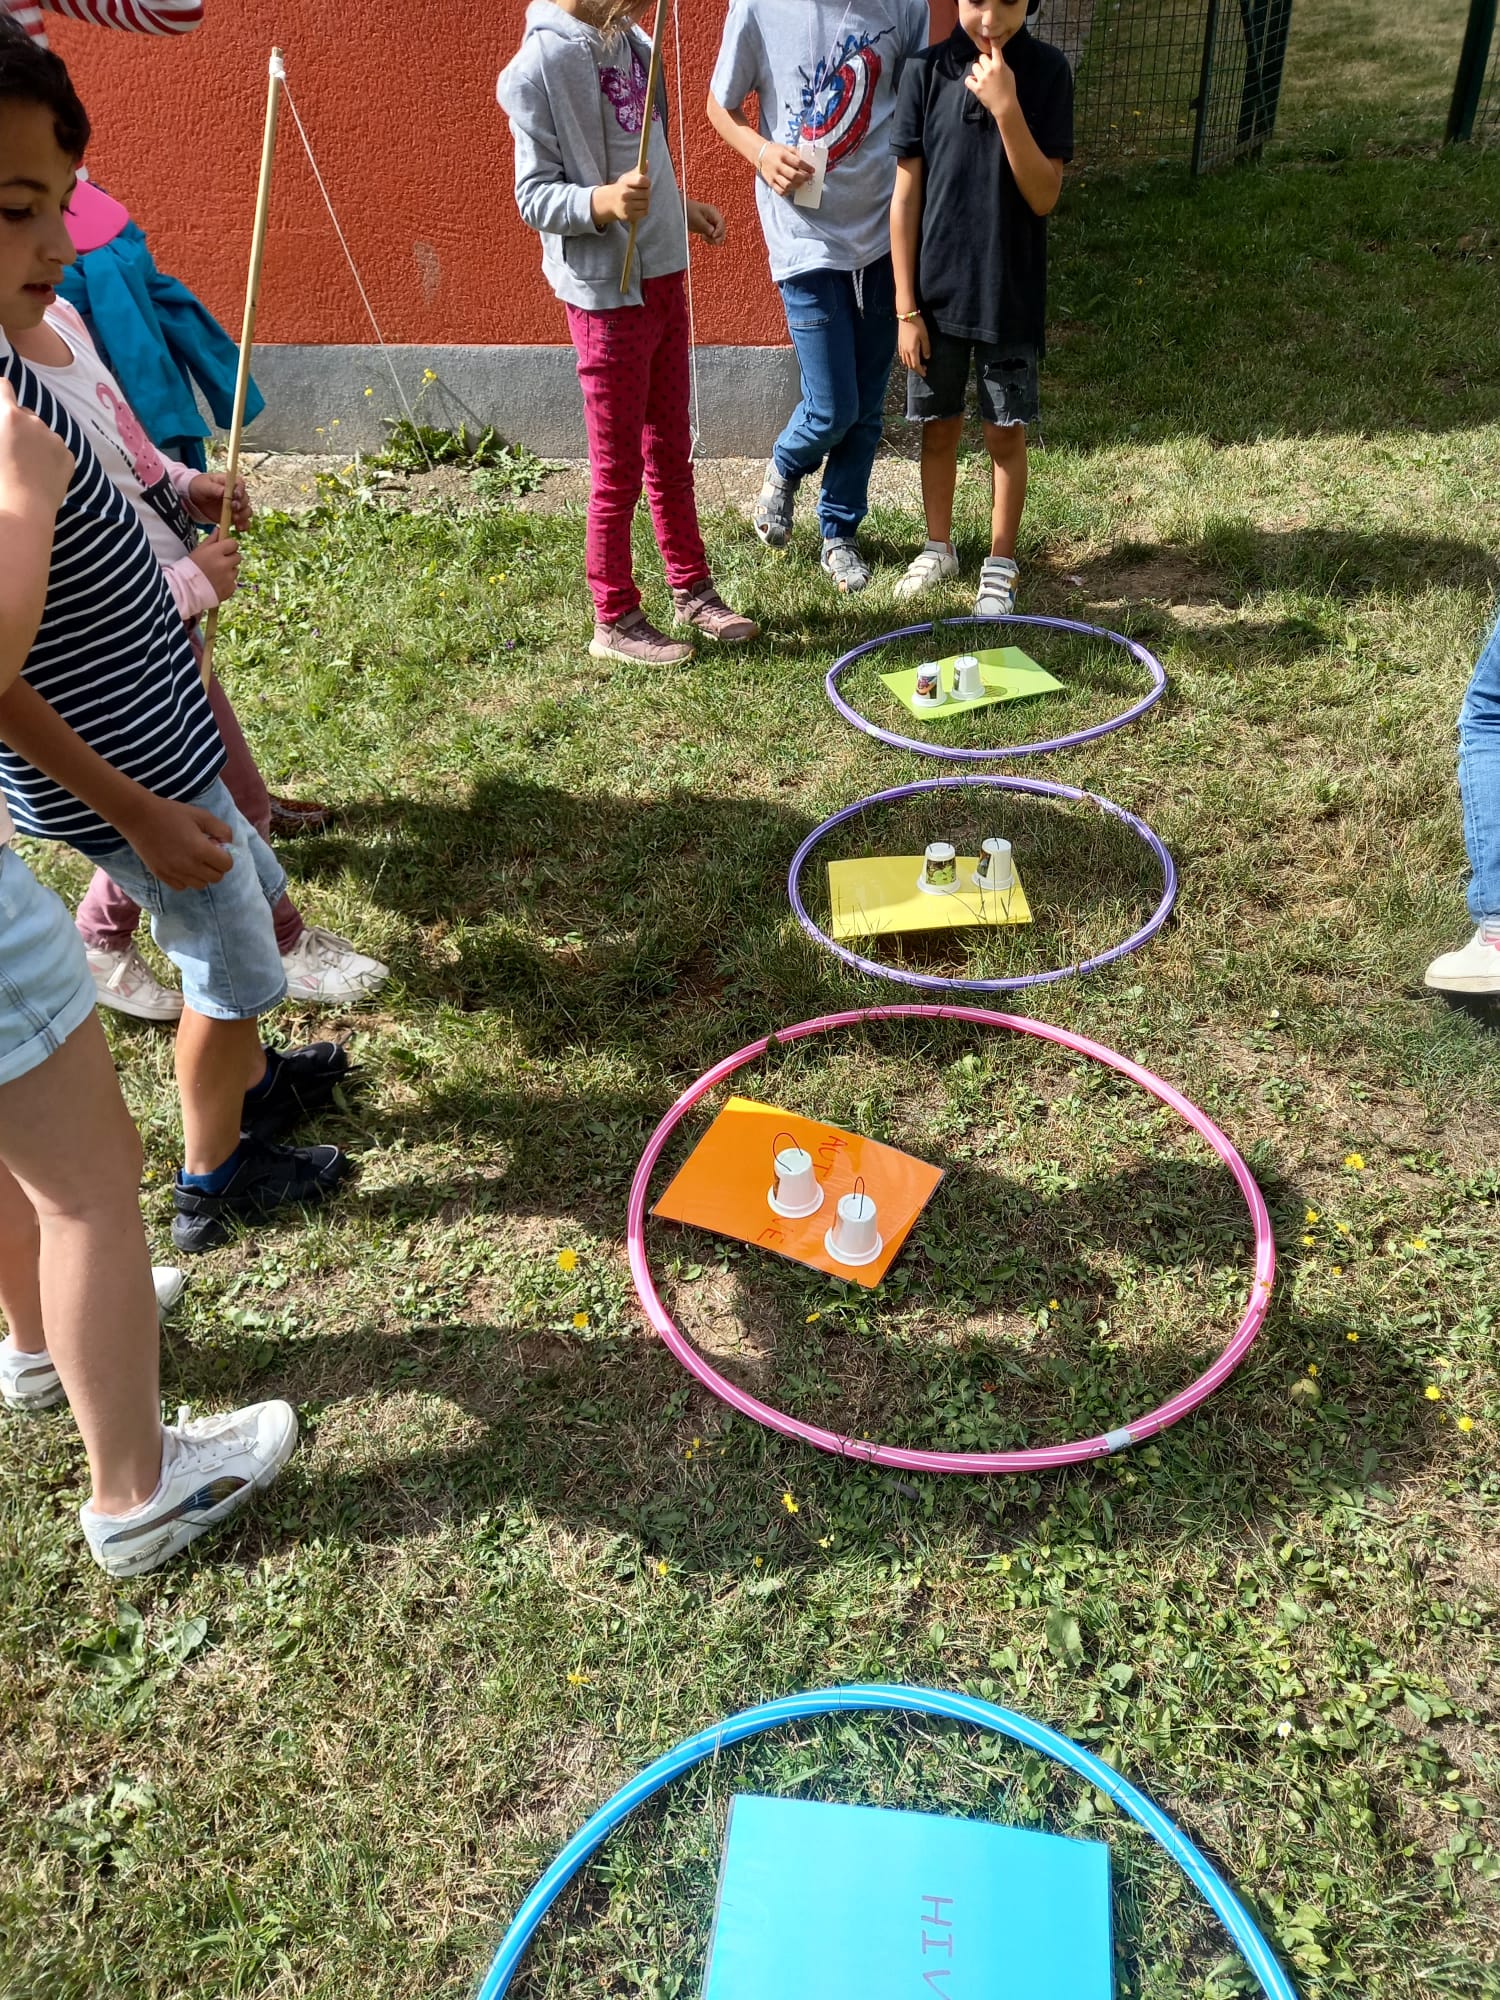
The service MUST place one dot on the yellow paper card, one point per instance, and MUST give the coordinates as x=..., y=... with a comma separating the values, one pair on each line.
x=1008, y=675
x=877, y=896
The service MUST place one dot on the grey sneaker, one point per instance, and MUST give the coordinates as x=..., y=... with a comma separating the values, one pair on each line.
x=998, y=578
x=210, y=1467
x=772, y=517
x=848, y=568
x=28, y=1381
x=636, y=638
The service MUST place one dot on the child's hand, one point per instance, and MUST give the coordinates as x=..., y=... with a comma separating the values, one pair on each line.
x=915, y=345
x=993, y=82
x=219, y=561
x=183, y=846
x=783, y=169
x=206, y=498
x=704, y=220
x=626, y=200
x=33, y=458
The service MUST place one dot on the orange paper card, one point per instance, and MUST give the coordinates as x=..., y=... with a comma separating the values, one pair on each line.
x=724, y=1183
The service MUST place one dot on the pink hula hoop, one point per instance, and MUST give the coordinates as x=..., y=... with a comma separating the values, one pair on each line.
x=1043, y=1458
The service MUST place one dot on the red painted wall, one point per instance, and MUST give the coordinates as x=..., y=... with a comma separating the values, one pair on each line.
x=398, y=97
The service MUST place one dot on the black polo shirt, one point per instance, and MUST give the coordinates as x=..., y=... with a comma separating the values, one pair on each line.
x=982, y=252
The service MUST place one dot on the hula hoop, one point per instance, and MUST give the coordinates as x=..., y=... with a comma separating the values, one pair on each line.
x=1035, y=1459
x=933, y=982
x=951, y=755
x=1200, y=1871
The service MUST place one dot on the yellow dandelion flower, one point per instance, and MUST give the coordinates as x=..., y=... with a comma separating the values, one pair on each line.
x=578, y=1680
x=1312, y=1215
x=429, y=374
x=1344, y=1229
x=661, y=1569
x=760, y=1562
x=1309, y=1241
x=1433, y=1393
x=1466, y=1423
x=1352, y=1336
x=1053, y=1306
x=567, y=1260
x=1355, y=1162
x=790, y=1504
x=580, y=1320
x=1312, y=1367
x=1338, y=1270
x=1419, y=1243
x=369, y=392
x=811, y=1317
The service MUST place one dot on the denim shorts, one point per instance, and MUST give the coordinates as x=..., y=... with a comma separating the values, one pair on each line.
x=221, y=939
x=46, y=989
x=1010, y=389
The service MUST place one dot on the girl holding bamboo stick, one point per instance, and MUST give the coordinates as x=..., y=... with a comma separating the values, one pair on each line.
x=576, y=95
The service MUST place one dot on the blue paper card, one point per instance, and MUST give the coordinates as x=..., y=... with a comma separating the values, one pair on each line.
x=864, y=1903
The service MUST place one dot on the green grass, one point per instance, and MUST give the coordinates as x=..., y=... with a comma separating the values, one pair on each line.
x=519, y=1555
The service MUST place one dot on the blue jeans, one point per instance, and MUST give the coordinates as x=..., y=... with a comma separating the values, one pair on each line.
x=845, y=352
x=1479, y=780
x=221, y=939
x=46, y=991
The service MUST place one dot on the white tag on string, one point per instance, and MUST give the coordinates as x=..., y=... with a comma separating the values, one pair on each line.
x=810, y=194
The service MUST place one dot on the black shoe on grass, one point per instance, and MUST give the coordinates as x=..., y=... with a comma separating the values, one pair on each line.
x=299, y=1082
x=266, y=1180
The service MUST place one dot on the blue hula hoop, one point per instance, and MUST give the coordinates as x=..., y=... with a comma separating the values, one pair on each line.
x=1221, y=1898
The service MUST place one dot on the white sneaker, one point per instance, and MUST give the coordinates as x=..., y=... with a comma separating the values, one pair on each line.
x=28, y=1381
x=209, y=1468
x=321, y=966
x=998, y=578
x=31, y=1381
x=170, y=1285
x=1475, y=969
x=937, y=562
x=124, y=981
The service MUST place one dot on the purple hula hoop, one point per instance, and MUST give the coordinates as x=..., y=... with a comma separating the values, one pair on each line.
x=931, y=981
x=1042, y=1458
x=1138, y=652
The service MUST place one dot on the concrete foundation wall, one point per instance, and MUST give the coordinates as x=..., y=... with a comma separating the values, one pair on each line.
x=316, y=396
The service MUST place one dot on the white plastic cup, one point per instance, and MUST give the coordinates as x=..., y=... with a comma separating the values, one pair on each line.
x=940, y=867
x=797, y=1190
x=997, y=867
x=855, y=1235
x=929, y=692
x=968, y=681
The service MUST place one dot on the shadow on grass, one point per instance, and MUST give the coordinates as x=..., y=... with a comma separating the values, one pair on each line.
x=598, y=1429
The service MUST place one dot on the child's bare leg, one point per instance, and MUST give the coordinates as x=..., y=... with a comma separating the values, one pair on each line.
x=940, y=442
x=20, y=1281
x=1006, y=444
x=67, y=1140
x=217, y=1062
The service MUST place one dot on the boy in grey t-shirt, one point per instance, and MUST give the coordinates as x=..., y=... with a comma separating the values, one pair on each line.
x=826, y=74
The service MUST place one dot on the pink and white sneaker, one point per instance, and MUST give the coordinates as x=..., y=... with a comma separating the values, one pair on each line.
x=124, y=981
x=1474, y=969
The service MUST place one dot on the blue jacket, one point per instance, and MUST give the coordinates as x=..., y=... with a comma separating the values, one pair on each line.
x=157, y=340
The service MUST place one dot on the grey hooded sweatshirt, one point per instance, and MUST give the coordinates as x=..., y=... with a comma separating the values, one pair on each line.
x=575, y=100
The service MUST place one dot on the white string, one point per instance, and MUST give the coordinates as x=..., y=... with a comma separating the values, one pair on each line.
x=695, y=425
x=380, y=341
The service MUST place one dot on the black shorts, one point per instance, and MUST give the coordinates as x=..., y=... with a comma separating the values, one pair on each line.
x=1010, y=390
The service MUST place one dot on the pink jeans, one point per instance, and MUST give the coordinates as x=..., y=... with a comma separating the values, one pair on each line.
x=633, y=368
x=107, y=918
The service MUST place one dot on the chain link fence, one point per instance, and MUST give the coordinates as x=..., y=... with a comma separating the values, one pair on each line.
x=1198, y=80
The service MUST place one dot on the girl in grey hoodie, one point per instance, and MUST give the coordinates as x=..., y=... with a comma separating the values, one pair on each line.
x=575, y=96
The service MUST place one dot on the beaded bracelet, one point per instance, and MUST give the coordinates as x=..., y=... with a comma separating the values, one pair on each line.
x=907, y=318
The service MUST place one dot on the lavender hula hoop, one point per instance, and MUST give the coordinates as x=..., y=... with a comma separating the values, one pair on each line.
x=933, y=982
x=1137, y=652
x=1042, y=1458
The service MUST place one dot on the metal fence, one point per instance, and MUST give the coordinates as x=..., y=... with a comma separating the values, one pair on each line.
x=1192, y=79
x=1476, y=92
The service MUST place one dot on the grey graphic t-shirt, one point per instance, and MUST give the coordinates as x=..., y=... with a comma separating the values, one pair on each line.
x=826, y=73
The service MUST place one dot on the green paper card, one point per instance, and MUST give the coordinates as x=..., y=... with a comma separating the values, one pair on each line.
x=1008, y=675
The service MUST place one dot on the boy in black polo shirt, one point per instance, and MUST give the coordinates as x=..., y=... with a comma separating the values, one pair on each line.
x=984, y=127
